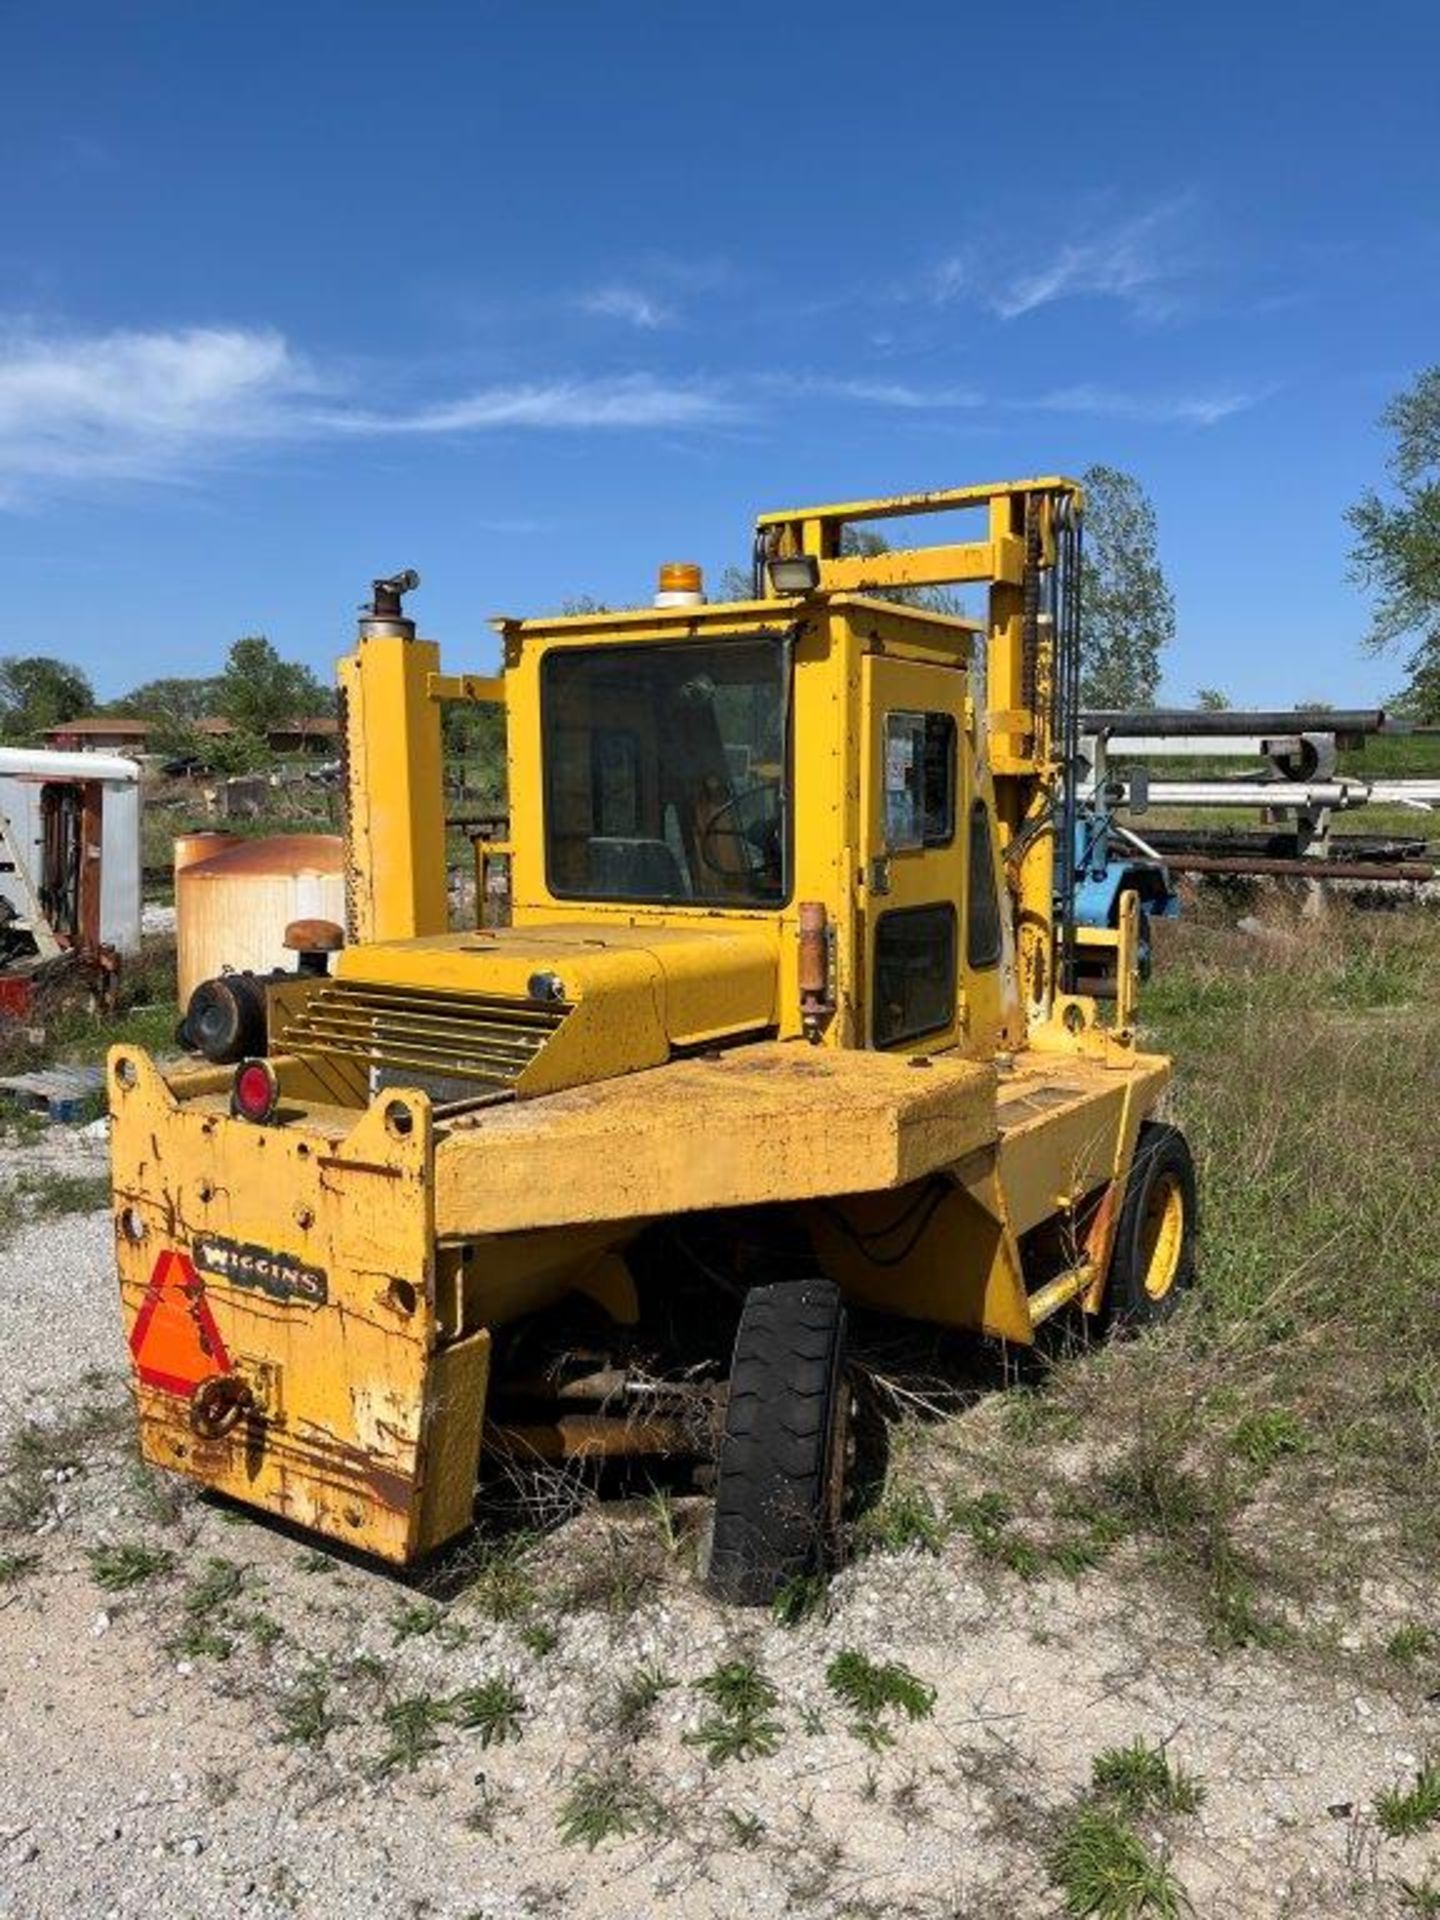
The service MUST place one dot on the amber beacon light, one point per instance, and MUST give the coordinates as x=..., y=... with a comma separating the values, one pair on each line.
x=682, y=584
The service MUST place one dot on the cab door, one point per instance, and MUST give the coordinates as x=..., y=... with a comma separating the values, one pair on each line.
x=913, y=800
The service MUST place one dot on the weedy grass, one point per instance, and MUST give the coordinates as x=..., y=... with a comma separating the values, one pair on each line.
x=412, y=1725
x=424, y=1619
x=634, y=1697
x=47, y=1193
x=801, y=1598
x=904, y=1516
x=1402, y=1811
x=670, y=1528
x=741, y=1723
x=1420, y=1896
x=493, y=1708
x=870, y=1689
x=40, y=1454
x=1264, y=1438
x=200, y=1639
x=261, y=1626
x=128, y=1563
x=218, y=1583
x=15, y=1566
x=988, y=1520
x=606, y=1803
x=746, y=1830
x=1032, y=1415
x=304, y=1711
x=210, y=1619
x=145, y=1016
x=499, y=1578
x=1141, y=1778
x=1073, y=1539
x=1412, y=1643
x=1105, y=1871
x=540, y=1637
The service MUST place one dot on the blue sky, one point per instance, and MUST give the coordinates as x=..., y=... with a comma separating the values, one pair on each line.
x=533, y=296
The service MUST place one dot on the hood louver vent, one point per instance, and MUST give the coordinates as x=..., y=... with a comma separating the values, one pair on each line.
x=402, y=1033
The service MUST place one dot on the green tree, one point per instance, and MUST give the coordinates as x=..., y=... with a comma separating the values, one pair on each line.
x=1127, y=608
x=174, y=702
x=173, y=707
x=37, y=693
x=258, y=690
x=1212, y=700
x=1397, y=545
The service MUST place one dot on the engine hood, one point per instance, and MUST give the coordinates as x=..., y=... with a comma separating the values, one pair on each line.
x=535, y=1009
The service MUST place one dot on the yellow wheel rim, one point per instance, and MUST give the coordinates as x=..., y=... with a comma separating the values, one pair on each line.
x=1162, y=1235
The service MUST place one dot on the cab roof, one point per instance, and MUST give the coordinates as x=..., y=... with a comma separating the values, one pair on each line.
x=687, y=623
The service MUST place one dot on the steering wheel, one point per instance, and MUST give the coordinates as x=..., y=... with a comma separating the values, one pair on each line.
x=755, y=838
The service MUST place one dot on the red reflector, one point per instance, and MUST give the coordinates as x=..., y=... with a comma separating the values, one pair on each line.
x=255, y=1091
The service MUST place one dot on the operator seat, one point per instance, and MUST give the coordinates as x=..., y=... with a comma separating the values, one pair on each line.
x=634, y=869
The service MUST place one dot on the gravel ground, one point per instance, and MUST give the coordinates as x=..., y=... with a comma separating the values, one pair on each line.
x=145, y=1766
x=52, y=1280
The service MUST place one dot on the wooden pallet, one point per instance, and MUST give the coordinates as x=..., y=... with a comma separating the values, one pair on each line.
x=63, y=1094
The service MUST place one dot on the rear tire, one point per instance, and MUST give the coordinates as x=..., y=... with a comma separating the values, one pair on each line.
x=780, y=1483
x=1152, y=1264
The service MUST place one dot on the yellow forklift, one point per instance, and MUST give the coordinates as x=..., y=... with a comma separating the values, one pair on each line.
x=786, y=1017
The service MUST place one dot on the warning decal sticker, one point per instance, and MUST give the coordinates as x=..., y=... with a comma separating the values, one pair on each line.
x=175, y=1340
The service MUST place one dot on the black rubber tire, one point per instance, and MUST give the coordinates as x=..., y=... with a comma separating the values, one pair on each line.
x=775, y=1517
x=1162, y=1155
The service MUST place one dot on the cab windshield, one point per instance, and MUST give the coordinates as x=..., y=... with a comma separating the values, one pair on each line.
x=665, y=771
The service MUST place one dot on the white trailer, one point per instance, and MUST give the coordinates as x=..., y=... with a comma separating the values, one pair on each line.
x=70, y=848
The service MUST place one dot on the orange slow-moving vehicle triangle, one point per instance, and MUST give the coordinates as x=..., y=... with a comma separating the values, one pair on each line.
x=175, y=1340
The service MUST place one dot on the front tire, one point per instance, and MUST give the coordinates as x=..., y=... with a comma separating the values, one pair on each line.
x=1152, y=1264
x=780, y=1483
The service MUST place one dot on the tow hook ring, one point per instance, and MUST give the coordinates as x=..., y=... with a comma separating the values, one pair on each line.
x=219, y=1404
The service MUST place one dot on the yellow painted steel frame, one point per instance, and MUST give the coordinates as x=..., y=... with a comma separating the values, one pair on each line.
x=1021, y=524
x=394, y=791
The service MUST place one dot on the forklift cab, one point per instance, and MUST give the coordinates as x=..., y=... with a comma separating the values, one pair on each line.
x=735, y=760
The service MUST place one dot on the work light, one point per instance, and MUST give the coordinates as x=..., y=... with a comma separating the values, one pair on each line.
x=800, y=574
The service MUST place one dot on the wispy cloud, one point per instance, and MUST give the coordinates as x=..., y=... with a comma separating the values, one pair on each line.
x=628, y=400
x=84, y=410
x=630, y=304
x=878, y=393
x=1156, y=409
x=1194, y=410
x=164, y=405
x=130, y=405
x=1139, y=261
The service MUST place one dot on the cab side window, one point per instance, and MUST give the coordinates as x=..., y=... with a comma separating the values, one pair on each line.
x=914, y=973
x=982, y=907
x=919, y=780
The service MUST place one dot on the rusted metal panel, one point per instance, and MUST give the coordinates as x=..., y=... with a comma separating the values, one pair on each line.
x=319, y=1278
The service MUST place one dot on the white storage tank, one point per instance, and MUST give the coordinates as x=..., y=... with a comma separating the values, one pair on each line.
x=232, y=907
x=203, y=844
